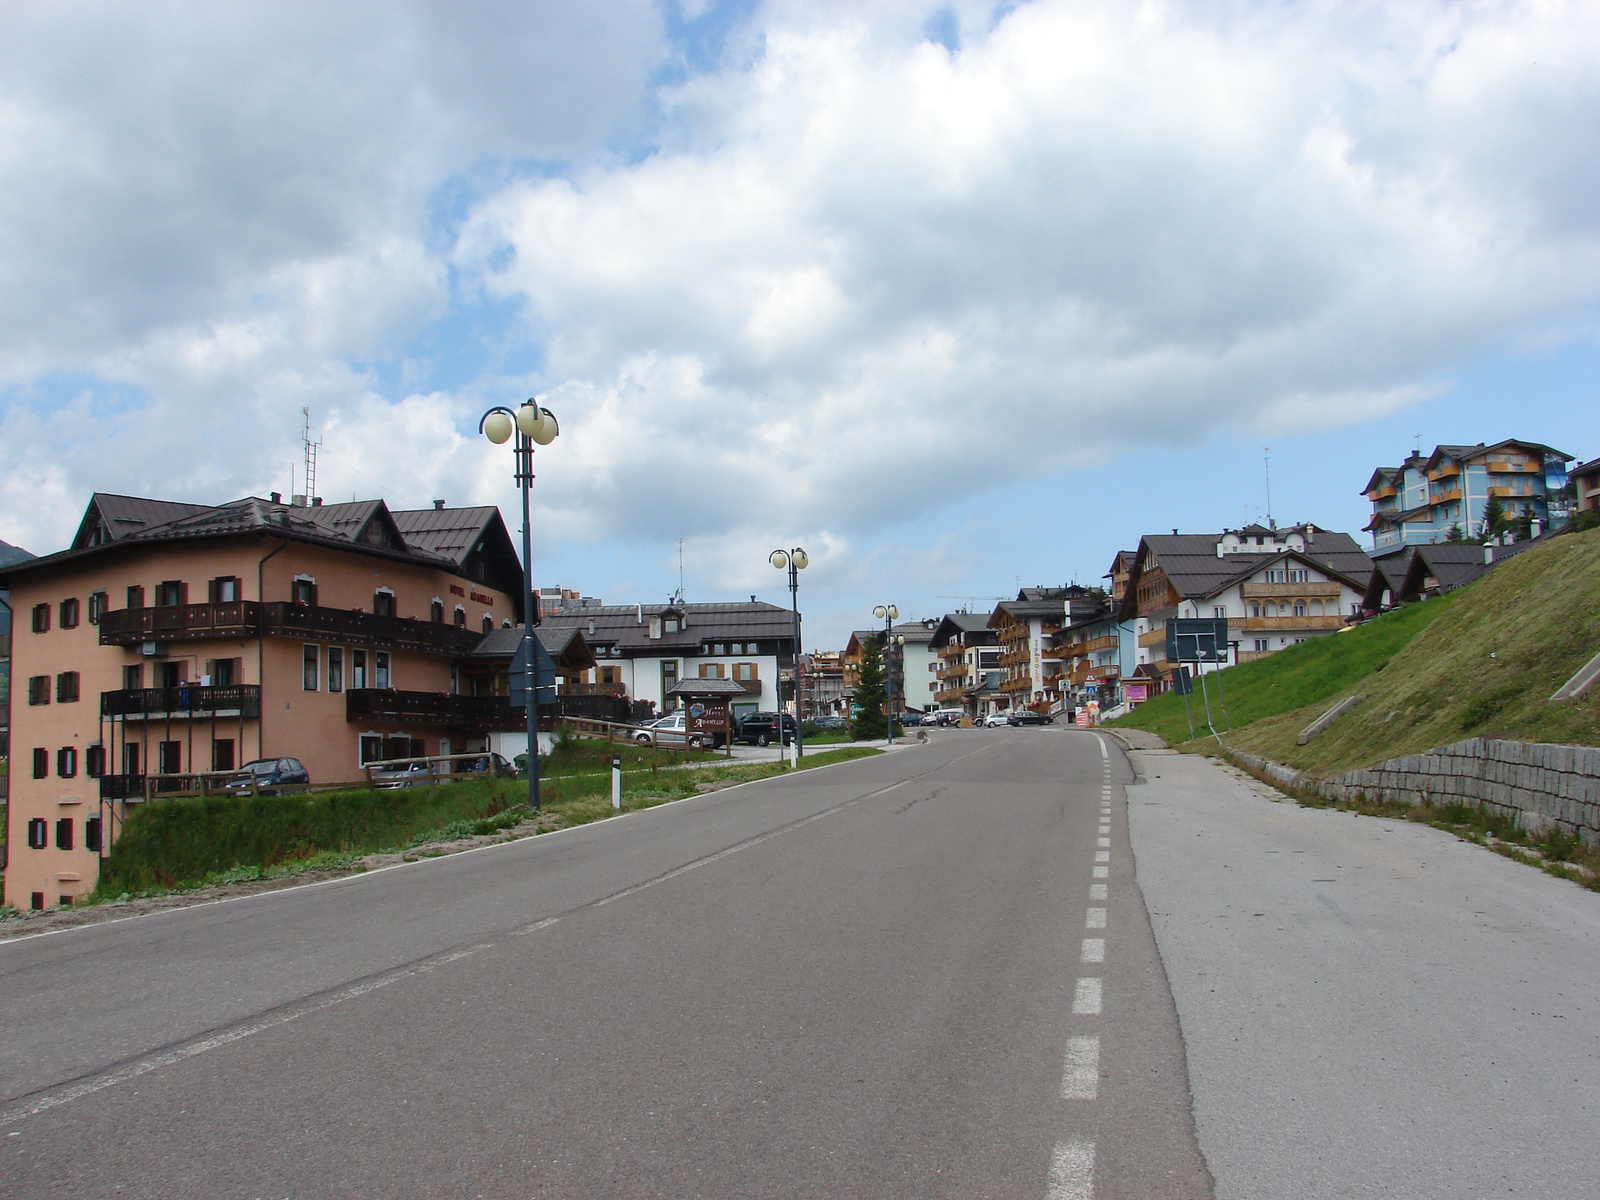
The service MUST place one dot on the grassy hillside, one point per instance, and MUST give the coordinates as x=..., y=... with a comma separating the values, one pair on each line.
x=1485, y=666
x=1312, y=673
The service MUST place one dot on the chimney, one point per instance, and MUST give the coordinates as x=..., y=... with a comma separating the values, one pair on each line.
x=1536, y=527
x=438, y=506
x=1488, y=555
x=316, y=502
x=277, y=497
x=298, y=500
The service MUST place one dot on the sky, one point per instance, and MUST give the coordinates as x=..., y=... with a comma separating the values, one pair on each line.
x=958, y=297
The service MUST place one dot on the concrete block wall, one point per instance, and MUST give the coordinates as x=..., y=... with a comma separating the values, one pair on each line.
x=1536, y=784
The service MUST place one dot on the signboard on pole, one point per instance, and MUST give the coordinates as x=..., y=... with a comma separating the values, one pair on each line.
x=1182, y=682
x=1197, y=639
x=707, y=715
x=544, y=676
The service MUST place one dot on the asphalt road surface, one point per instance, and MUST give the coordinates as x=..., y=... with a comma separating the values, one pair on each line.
x=927, y=974
x=865, y=980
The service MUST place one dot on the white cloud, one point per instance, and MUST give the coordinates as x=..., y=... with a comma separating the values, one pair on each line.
x=1094, y=228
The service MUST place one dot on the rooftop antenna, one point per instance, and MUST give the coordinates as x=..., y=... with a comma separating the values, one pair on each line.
x=679, y=597
x=1266, y=466
x=311, y=454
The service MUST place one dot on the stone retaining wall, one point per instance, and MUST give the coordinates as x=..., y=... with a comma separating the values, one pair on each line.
x=1534, y=783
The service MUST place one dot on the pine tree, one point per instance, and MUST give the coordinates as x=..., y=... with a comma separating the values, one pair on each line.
x=869, y=697
x=1494, y=517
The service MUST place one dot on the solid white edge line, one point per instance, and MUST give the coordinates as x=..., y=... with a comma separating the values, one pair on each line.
x=357, y=876
x=1071, y=1172
x=1080, y=1074
x=249, y=1028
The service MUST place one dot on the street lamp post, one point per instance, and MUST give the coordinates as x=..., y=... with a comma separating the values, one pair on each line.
x=889, y=613
x=796, y=560
x=532, y=424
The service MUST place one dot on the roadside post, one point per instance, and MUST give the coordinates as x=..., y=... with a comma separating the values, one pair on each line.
x=616, y=782
x=1184, y=688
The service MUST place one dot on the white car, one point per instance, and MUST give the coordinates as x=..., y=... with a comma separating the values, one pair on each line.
x=996, y=720
x=669, y=730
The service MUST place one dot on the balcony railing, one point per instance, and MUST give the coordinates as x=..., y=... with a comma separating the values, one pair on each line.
x=434, y=708
x=245, y=618
x=185, y=700
x=1334, y=622
x=1290, y=591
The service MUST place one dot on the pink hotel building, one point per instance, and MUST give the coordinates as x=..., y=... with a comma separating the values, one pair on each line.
x=173, y=638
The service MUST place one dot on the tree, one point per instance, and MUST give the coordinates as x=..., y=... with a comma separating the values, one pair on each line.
x=1454, y=534
x=1494, y=517
x=869, y=698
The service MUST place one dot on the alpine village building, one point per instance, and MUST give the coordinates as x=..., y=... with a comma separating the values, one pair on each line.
x=175, y=638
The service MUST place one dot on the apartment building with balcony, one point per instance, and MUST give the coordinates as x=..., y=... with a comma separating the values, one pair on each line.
x=1274, y=586
x=642, y=651
x=822, y=691
x=1426, y=497
x=1586, y=486
x=174, y=638
x=967, y=652
x=8, y=554
x=912, y=669
x=1024, y=630
x=1089, y=648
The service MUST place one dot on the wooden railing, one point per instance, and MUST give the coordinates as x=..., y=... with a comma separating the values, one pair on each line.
x=434, y=708
x=1289, y=591
x=185, y=700
x=245, y=618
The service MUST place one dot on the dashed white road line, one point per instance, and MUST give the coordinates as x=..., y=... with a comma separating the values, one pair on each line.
x=1102, y=872
x=1094, y=950
x=1097, y=891
x=1080, y=1076
x=1071, y=1172
x=1087, y=999
x=1102, y=856
x=1096, y=919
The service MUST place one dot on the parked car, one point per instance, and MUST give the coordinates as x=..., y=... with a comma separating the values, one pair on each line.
x=832, y=723
x=671, y=730
x=1026, y=716
x=279, y=774
x=909, y=719
x=948, y=716
x=413, y=774
x=490, y=764
x=761, y=729
x=996, y=719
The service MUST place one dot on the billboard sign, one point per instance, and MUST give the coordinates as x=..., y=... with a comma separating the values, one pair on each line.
x=1202, y=639
x=708, y=716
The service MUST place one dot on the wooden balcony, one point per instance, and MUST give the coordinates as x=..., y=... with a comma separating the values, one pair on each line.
x=1013, y=658
x=1022, y=683
x=595, y=689
x=956, y=672
x=1501, y=467
x=1445, y=496
x=1093, y=645
x=1505, y=492
x=245, y=618
x=1158, y=637
x=1383, y=493
x=1289, y=623
x=1444, y=472
x=183, y=702
x=1289, y=591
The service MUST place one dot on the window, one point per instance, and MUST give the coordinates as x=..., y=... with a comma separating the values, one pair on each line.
x=98, y=603
x=380, y=668
x=371, y=749
x=335, y=669
x=64, y=834
x=135, y=597
x=224, y=672
x=38, y=689
x=1299, y=576
x=488, y=623
x=130, y=758
x=1219, y=610
x=1255, y=609
x=670, y=625
x=38, y=839
x=41, y=763
x=610, y=674
x=133, y=676
x=91, y=834
x=41, y=618
x=303, y=591
x=436, y=612
x=719, y=648
x=461, y=617
x=169, y=757
x=669, y=680
x=170, y=593
x=1299, y=608
x=711, y=671
x=67, y=687
x=745, y=672
x=38, y=897
x=69, y=613
x=94, y=761
x=224, y=589
x=222, y=754
x=67, y=762
x=169, y=674
x=383, y=603
x=310, y=664
x=358, y=668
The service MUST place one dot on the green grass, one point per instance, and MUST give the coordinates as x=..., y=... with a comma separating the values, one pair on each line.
x=1308, y=674
x=176, y=845
x=1485, y=665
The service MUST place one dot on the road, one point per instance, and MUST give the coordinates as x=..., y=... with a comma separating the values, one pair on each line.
x=927, y=974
